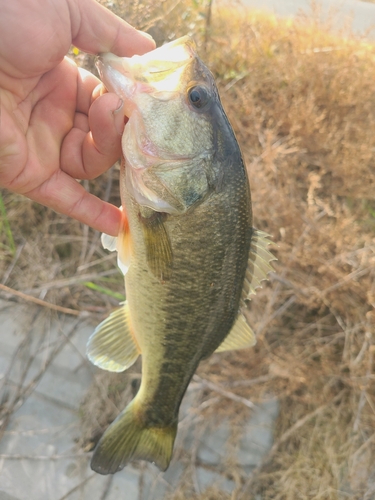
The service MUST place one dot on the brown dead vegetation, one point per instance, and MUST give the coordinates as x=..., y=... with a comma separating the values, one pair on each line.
x=302, y=103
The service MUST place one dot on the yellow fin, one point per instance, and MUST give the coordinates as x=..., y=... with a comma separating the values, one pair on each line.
x=129, y=438
x=240, y=336
x=112, y=346
x=158, y=246
x=258, y=264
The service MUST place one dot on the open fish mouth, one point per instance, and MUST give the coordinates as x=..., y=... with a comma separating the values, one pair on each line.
x=159, y=70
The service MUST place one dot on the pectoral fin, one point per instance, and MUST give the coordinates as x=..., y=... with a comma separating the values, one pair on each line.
x=258, y=264
x=121, y=243
x=158, y=246
x=240, y=336
x=113, y=346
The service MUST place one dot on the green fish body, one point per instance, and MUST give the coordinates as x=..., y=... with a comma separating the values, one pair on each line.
x=188, y=248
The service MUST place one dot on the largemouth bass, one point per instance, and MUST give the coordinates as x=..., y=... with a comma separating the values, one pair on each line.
x=190, y=255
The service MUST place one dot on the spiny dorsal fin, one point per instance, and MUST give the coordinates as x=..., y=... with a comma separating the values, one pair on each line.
x=240, y=336
x=258, y=265
x=121, y=243
x=112, y=346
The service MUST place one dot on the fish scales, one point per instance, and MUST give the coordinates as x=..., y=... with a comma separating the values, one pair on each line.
x=205, y=291
x=189, y=253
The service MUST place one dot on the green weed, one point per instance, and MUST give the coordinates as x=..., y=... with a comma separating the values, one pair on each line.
x=105, y=290
x=5, y=227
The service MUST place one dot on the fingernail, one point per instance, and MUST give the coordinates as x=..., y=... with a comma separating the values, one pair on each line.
x=102, y=89
x=118, y=115
x=146, y=35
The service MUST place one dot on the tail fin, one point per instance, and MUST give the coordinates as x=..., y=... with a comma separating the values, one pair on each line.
x=128, y=439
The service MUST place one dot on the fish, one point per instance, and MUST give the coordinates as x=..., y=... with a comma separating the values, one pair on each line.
x=187, y=247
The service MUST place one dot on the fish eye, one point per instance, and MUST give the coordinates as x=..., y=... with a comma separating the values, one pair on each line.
x=198, y=96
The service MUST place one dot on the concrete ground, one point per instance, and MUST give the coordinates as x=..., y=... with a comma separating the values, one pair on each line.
x=361, y=13
x=44, y=374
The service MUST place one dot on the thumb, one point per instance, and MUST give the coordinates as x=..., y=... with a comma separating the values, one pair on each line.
x=96, y=29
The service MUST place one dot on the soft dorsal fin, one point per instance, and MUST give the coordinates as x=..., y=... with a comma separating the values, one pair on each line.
x=113, y=346
x=258, y=265
x=240, y=336
x=121, y=243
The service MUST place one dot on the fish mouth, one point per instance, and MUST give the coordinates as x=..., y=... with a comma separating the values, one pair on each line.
x=115, y=72
x=160, y=70
x=168, y=57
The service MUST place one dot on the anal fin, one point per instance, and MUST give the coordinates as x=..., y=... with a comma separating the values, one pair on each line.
x=112, y=346
x=240, y=336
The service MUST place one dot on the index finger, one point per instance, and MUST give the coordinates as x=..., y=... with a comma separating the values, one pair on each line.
x=65, y=195
x=96, y=29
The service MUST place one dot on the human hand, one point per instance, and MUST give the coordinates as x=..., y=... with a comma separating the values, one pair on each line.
x=53, y=129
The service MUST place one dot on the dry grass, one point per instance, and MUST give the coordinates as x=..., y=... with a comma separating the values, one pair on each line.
x=302, y=103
